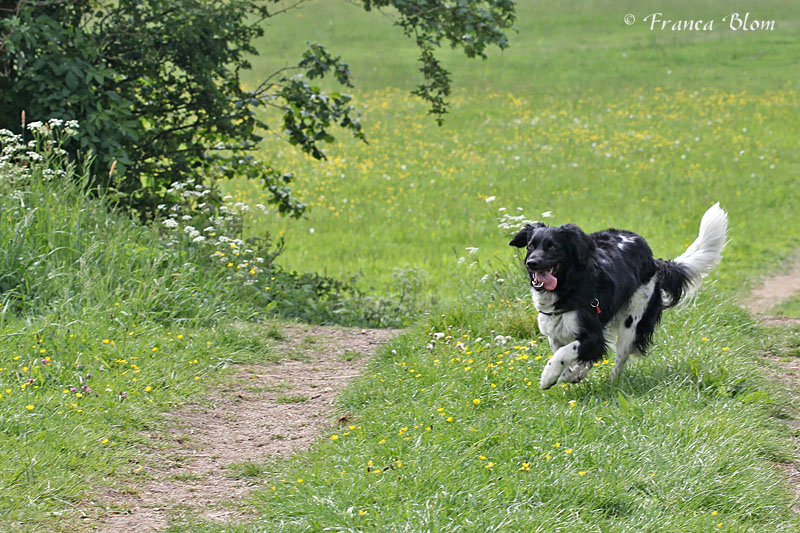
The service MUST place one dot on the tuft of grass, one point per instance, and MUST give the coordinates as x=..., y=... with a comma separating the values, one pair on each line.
x=351, y=355
x=789, y=308
x=187, y=477
x=275, y=332
x=247, y=470
x=309, y=341
x=278, y=387
x=297, y=398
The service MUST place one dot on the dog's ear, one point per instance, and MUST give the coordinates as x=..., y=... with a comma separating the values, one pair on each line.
x=580, y=244
x=521, y=239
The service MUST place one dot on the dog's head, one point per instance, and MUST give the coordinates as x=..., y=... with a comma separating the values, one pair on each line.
x=555, y=254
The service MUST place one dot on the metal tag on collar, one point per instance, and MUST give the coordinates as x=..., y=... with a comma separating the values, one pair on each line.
x=596, y=304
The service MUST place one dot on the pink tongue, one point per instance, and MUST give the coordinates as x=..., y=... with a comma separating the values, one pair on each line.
x=549, y=280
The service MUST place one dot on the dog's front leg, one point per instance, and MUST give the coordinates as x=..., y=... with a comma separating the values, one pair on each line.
x=561, y=360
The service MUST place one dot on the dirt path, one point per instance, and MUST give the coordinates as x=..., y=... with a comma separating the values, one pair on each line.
x=785, y=371
x=784, y=365
x=264, y=411
x=774, y=291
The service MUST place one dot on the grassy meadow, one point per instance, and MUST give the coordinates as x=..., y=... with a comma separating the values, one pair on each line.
x=106, y=323
x=603, y=124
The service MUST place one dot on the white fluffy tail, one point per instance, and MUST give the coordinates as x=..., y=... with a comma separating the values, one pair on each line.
x=705, y=252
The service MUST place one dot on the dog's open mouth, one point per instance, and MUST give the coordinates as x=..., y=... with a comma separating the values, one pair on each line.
x=545, y=279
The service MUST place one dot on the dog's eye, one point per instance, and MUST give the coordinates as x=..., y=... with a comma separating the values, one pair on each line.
x=552, y=247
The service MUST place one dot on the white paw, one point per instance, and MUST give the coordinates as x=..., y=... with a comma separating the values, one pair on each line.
x=561, y=360
x=552, y=370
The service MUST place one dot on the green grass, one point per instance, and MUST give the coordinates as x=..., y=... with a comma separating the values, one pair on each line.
x=296, y=398
x=600, y=123
x=247, y=469
x=790, y=308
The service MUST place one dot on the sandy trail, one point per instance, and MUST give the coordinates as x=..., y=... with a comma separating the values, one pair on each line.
x=263, y=411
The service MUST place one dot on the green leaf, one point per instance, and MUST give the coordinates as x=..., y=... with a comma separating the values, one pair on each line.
x=71, y=80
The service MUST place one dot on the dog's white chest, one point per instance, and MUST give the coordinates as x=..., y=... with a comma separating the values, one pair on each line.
x=561, y=328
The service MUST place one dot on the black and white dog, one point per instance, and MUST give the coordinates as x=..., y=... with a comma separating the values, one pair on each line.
x=595, y=290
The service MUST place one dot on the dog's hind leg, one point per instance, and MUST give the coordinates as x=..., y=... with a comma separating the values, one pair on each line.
x=624, y=347
x=640, y=309
x=619, y=365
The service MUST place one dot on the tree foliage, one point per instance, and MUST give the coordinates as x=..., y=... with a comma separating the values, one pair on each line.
x=155, y=84
x=468, y=24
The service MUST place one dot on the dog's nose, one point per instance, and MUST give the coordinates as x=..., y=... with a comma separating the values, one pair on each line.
x=532, y=263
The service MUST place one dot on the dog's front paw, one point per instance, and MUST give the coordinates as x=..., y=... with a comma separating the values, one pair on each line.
x=550, y=374
x=561, y=360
